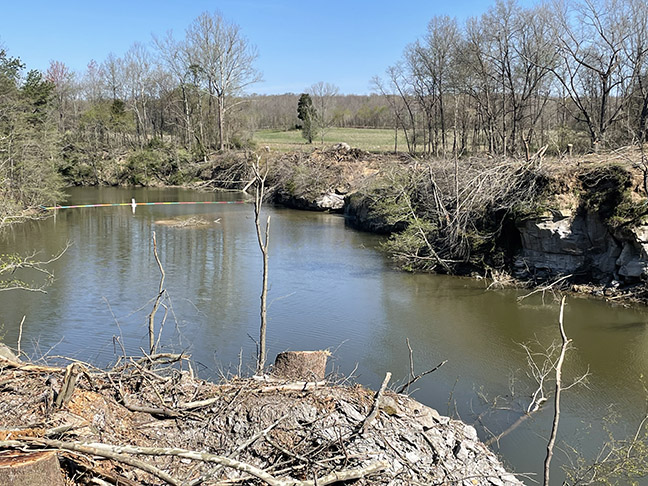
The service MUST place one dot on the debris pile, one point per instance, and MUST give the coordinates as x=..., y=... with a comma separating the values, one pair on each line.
x=151, y=421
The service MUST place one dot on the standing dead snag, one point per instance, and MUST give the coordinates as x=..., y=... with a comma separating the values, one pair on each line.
x=69, y=383
x=545, y=364
x=556, y=419
x=151, y=318
x=259, y=191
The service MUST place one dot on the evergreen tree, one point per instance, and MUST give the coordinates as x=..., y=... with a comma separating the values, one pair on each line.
x=307, y=114
x=29, y=148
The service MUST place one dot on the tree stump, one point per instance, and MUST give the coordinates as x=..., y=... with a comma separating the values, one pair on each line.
x=301, y=365
x=30, y=469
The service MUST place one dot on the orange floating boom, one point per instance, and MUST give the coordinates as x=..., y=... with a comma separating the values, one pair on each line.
x=106, y=205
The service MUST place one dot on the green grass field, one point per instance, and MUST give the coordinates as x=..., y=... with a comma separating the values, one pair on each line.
x=369, y=139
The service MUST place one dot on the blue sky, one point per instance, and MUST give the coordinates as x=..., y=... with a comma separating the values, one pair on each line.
x=299, y=42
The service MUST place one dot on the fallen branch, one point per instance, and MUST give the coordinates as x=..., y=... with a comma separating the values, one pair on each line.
x=340, y=476
x=97, y=450
x=296, y=386
x=238, y=450
x=421, y=375
x=376, y=404
x=199, y=403
x=283, y=385
x=118, y=453
x=83, y=464
x=19, y=365
x=511, y=428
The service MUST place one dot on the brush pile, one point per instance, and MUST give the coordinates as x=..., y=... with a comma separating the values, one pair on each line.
x=151, y=421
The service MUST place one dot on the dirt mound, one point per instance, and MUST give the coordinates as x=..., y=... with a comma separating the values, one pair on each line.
x=150, y=421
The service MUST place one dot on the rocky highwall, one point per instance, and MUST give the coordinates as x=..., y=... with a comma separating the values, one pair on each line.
x=580, y=244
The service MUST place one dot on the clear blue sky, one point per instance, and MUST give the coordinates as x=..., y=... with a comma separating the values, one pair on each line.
x=299, y=42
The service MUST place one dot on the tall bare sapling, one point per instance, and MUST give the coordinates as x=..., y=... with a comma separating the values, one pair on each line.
x=263, y=237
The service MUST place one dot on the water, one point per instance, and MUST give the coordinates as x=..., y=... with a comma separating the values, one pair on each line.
x=330, y=288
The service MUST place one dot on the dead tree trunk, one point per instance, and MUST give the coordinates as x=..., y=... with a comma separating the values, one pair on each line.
x=260, y=178
x=151, y=317
x=556, y=418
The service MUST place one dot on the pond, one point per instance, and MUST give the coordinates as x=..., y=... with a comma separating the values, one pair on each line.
x=330, y=287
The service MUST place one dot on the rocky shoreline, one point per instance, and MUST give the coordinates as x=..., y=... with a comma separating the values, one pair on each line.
x=584, y=230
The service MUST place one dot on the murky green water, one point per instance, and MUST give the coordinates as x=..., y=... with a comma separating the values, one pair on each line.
x=329, y=288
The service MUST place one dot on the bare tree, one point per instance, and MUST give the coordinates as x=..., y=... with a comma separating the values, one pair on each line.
x=222, y=59
x=431, y=62
x=173, y=57
x=138, y=83
x=263, y=237
x=323, y=95
x=637, y=55
x=111, y=74
x=65, y=89
x=593, y=67
x=398, y=95
x=91, y=82
x=531, y=80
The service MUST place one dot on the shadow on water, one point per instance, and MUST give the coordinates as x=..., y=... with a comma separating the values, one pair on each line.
x=631, y=326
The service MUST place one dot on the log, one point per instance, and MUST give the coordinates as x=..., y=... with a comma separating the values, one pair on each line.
x=30, y=469
x=7, y=354
x=301, y=365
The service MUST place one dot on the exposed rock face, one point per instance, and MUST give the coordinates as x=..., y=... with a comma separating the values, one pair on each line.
x=581, y=244
x=331, y=201
x=632, y=263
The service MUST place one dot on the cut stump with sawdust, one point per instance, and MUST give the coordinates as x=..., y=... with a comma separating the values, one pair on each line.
x=301, y=365
x=39, y=468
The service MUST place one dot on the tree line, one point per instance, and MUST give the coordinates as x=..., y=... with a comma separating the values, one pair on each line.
x=569, y=75
x=566, y=74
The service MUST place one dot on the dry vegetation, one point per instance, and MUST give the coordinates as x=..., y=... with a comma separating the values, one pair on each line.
x=186, y=222
x=150, y=421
